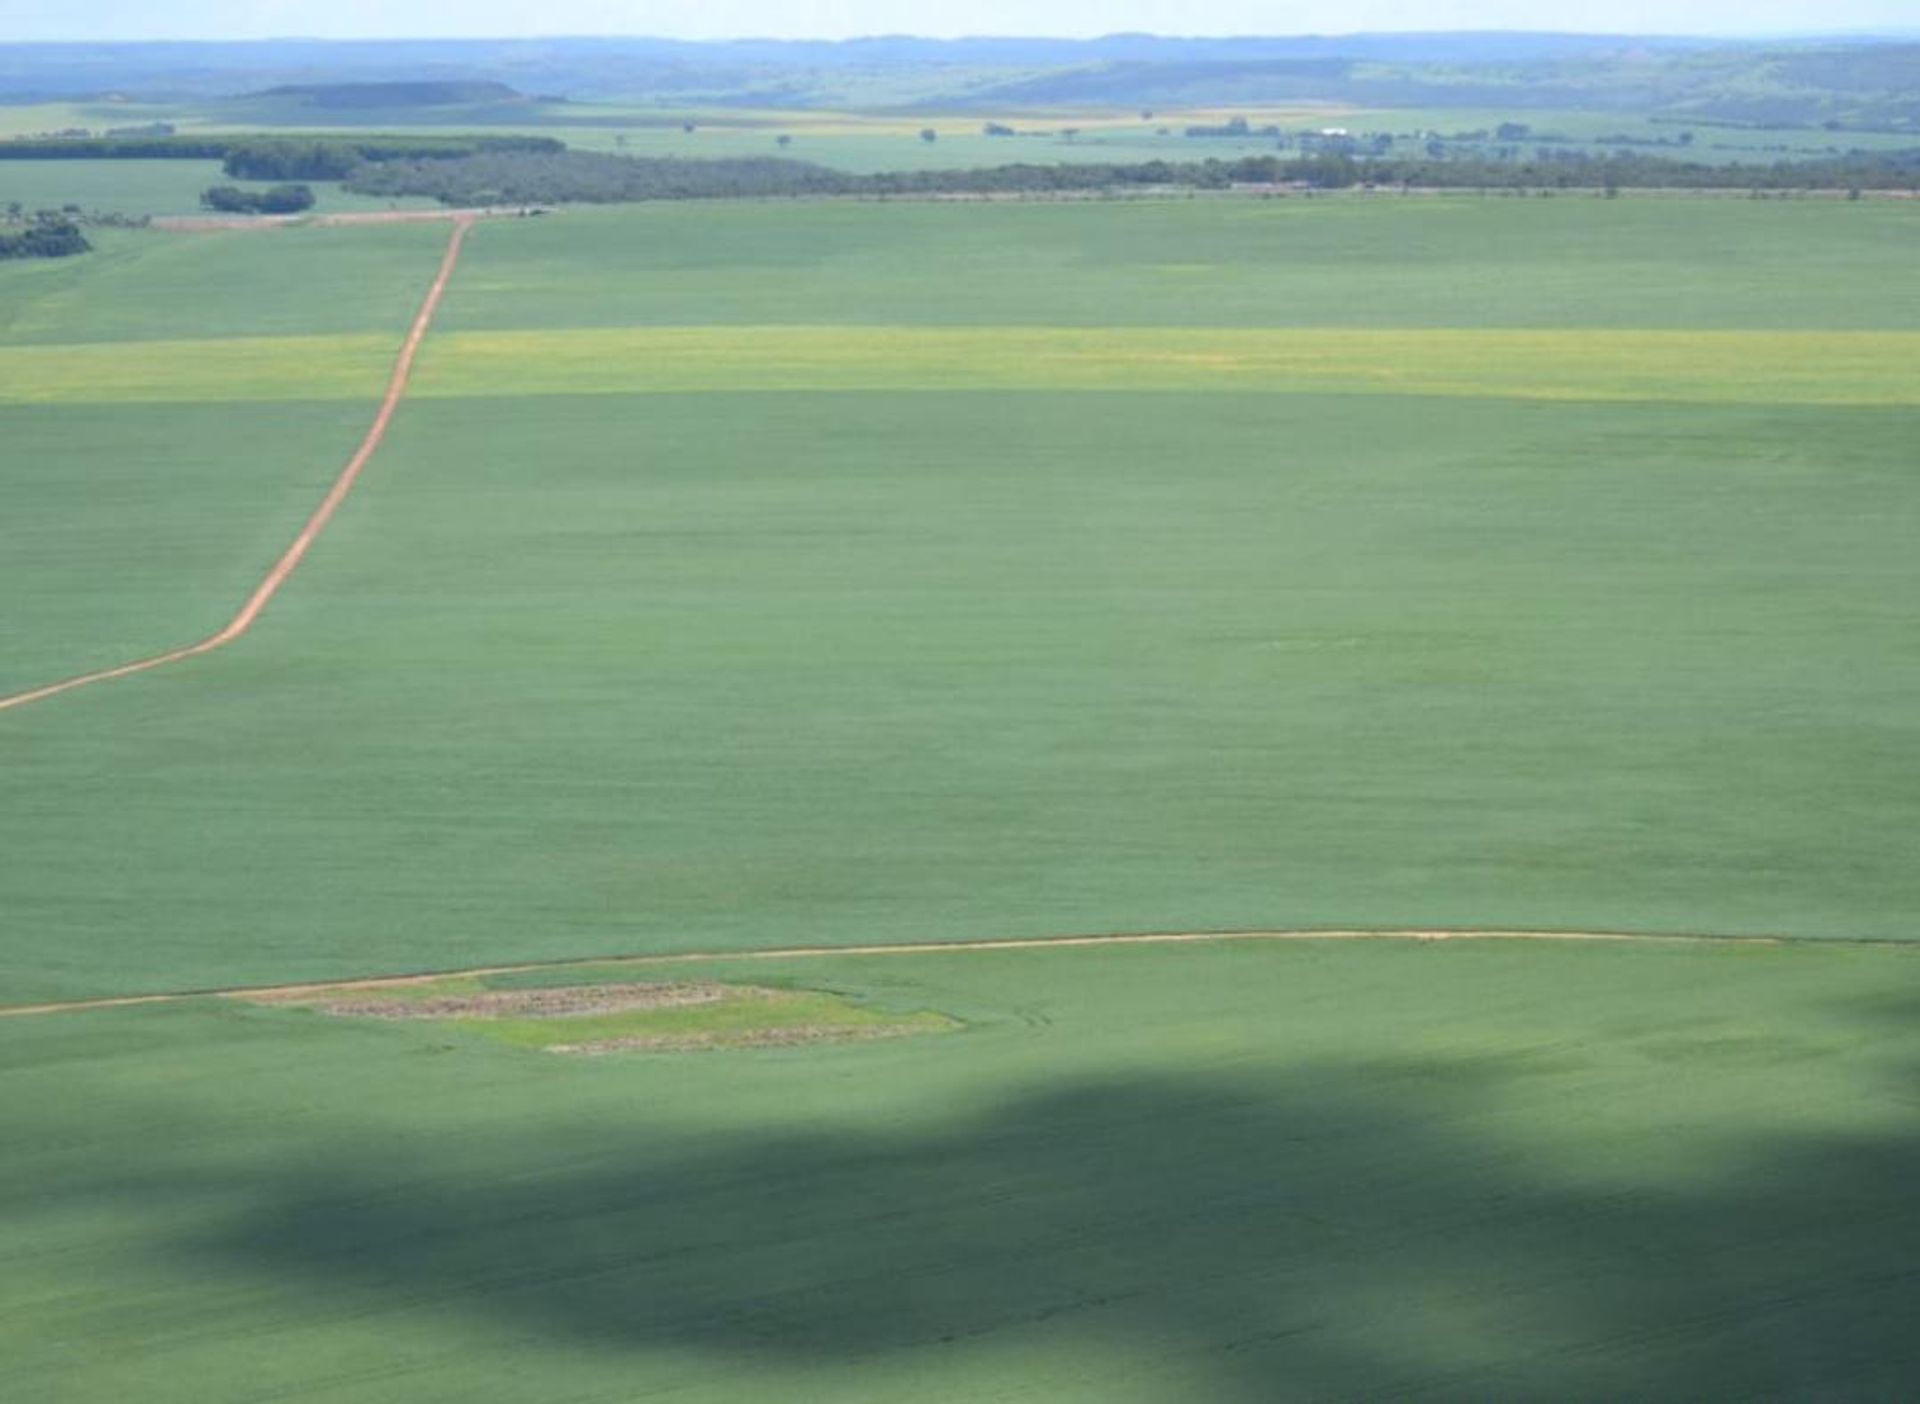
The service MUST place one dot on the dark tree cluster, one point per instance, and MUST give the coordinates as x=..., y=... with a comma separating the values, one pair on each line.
x=333, y=158
x=276, y=199
x=292, y=160
x=47, y=234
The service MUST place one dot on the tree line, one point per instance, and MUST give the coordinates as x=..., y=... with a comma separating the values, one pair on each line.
x=331, y=158
x=275, y=199
x=260, y=157
x=520, y=177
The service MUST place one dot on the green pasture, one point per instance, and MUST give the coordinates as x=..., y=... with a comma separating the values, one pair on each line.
x=1834, y=368
x=1586, y=128
x=144, y=502
x=151, y=187
x=749, y=576
x=887, y=136
x=136, y=529
x=1454, y=1171
x=1383, y=261
x=117, y=187
x=146, y=286
x=584, y=675
x=925, y=623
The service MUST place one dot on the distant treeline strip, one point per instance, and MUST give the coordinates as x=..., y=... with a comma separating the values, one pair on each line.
x=517, y=177
x=284, y=158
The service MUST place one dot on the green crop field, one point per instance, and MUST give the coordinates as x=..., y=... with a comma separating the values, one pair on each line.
x=139, y=525
x=1254, y=1172
x=150, y=187
x=743, y=577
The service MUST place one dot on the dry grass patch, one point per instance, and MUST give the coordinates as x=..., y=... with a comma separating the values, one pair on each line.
x=565, y=1002
x=614, y=1017
x=788, y=1036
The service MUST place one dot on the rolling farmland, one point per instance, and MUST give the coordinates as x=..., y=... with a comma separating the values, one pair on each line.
x=749, y=577
x=1250, y=1172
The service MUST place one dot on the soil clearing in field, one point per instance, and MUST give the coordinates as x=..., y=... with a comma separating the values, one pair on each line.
x=788, y=1036
x=574, y=1001
x=653, y=1016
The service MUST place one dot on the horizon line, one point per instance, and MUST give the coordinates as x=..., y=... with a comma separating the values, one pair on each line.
x=1705, y=35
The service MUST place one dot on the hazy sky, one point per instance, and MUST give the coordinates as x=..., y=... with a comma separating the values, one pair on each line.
x=258, y=19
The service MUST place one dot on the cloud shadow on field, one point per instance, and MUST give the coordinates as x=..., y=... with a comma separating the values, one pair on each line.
x=1336, y=1230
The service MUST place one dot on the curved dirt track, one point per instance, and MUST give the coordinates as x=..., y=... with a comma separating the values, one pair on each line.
x=284, y=567
x=1023, y=943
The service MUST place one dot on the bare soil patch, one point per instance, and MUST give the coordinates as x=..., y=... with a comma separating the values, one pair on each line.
x=569, y=1001
x=200, y=224
x=790, y=1036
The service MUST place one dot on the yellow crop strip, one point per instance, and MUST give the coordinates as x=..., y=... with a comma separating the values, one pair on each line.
x=1780, y=367
x=1840, y=368
x=233, y=368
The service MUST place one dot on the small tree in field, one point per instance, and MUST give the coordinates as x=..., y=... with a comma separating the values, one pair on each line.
x=783, y=141
x=928, y=134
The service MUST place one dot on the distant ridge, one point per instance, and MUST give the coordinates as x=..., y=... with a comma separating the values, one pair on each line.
x=1857, y=85
x=409, y=94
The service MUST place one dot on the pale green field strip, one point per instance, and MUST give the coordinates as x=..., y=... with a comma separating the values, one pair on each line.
x=1773, y=367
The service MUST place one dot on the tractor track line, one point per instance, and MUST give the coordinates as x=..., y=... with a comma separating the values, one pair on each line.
x=290, y=559
x=310, y=988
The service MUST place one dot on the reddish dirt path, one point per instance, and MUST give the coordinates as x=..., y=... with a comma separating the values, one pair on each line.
x=931, y=948
x=206, y=224
x=284, y=567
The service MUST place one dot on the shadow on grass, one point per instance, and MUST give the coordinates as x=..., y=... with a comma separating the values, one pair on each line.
x=1345, y=1230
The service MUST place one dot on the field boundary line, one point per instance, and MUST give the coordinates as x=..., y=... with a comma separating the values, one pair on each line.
x=304, y=989
x=290, y=559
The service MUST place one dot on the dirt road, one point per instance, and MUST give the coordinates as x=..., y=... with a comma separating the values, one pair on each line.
x=191, y=224
x=284, y=567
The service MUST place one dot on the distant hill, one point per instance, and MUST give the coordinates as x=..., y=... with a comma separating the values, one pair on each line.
x=626, y=68
x=1860, y=84
x=384, y=95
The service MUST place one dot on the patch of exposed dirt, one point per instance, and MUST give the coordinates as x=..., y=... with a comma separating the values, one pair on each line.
x=792, y=1036
x=563, y=1002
